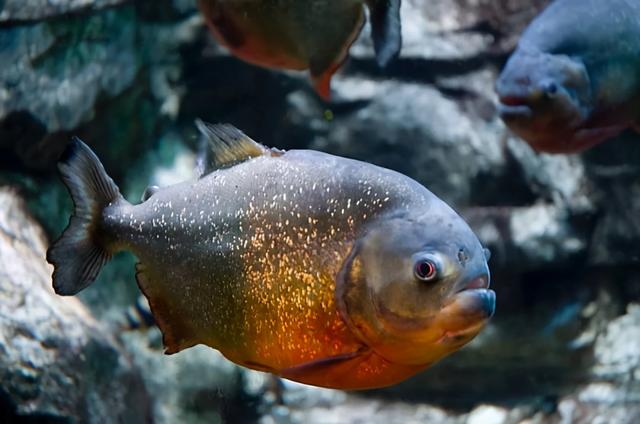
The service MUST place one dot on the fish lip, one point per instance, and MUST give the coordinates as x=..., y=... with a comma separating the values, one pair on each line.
x=489, y=297
x=476, y=287
x=485, y=300
x=479, y=282
x=513, y=100
x=507, y=111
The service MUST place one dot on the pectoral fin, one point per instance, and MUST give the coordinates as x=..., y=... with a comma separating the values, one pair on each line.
x=589, y=137
x=385, y=29
x=335, y=371
x=363, y=369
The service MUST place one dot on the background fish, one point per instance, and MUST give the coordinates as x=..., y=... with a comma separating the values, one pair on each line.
x=320, y=269
x=574, y=80
x=302, y=34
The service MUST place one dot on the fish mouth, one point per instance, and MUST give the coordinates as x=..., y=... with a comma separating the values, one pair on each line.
x=474, y=298
x=481, y=282
x=514, y=109
x=466, y=315
x=468, y=310
x=513, y=100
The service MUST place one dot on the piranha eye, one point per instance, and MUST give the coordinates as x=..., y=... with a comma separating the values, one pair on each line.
x=425, y=270
x=551, y=88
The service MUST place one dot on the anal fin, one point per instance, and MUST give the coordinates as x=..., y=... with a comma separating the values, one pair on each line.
x=176, y=333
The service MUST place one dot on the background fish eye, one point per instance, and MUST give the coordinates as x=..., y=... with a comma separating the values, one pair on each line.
x=550, y=88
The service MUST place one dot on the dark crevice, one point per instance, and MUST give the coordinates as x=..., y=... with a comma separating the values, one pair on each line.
x=9, y=414
x=426, y=71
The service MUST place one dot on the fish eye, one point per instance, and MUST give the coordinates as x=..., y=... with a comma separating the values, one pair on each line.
x=425, y=270
x=551, y=88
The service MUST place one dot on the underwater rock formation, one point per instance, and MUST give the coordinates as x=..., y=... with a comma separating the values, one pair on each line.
x=564, y=230
x=21, y=10
x=57, y=361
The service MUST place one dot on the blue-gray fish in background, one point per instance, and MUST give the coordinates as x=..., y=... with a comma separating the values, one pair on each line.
x=574, y=80
x=317, y=268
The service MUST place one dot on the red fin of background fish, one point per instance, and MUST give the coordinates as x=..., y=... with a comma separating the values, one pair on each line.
x=322, y=84
x=589, y=137
x=323, y=68
x=385, y=29
x=222, y=24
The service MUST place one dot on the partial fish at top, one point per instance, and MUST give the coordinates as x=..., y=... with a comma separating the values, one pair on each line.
x=574, y=80
x=303, y=34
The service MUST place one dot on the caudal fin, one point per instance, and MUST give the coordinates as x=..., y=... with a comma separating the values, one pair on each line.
x=79, y=254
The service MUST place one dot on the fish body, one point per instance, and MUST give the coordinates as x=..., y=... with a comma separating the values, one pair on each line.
x=302, y=264
x=302, y=34
x=574, y=80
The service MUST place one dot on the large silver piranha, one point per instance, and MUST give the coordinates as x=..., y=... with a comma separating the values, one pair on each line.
x=574, y=80
x=303, y=34
x=317, y=268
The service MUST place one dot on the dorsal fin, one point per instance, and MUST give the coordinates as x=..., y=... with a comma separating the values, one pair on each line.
x=227, y=146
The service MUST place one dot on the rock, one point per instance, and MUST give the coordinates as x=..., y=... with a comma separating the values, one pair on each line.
x=485, y=414
x=613, y=395
x=197, y=385
x=55, y=74
x=60, y=72
x=31, y=10
x=617, y=349
x=57, y=362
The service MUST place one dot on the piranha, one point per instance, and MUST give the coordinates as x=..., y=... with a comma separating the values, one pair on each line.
x=302, y=34
x=574, y=79
x=313, y=267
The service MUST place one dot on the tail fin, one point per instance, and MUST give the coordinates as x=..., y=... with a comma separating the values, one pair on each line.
x=80, y=253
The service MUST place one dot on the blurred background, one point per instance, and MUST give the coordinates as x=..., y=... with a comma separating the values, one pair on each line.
x=130, y=77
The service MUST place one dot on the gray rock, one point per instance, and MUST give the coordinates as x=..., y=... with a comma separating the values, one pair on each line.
x=31, y=10
x=59, y=86
x=54, y=74
x=195, y=386
x=56, y=360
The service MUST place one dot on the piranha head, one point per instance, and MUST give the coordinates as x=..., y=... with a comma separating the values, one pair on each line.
x=415, y=289
x=544, y=98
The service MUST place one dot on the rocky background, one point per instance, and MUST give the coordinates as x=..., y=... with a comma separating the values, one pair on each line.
x=130, y=77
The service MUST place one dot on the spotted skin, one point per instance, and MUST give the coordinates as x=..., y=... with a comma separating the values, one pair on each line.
x=271, y=253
